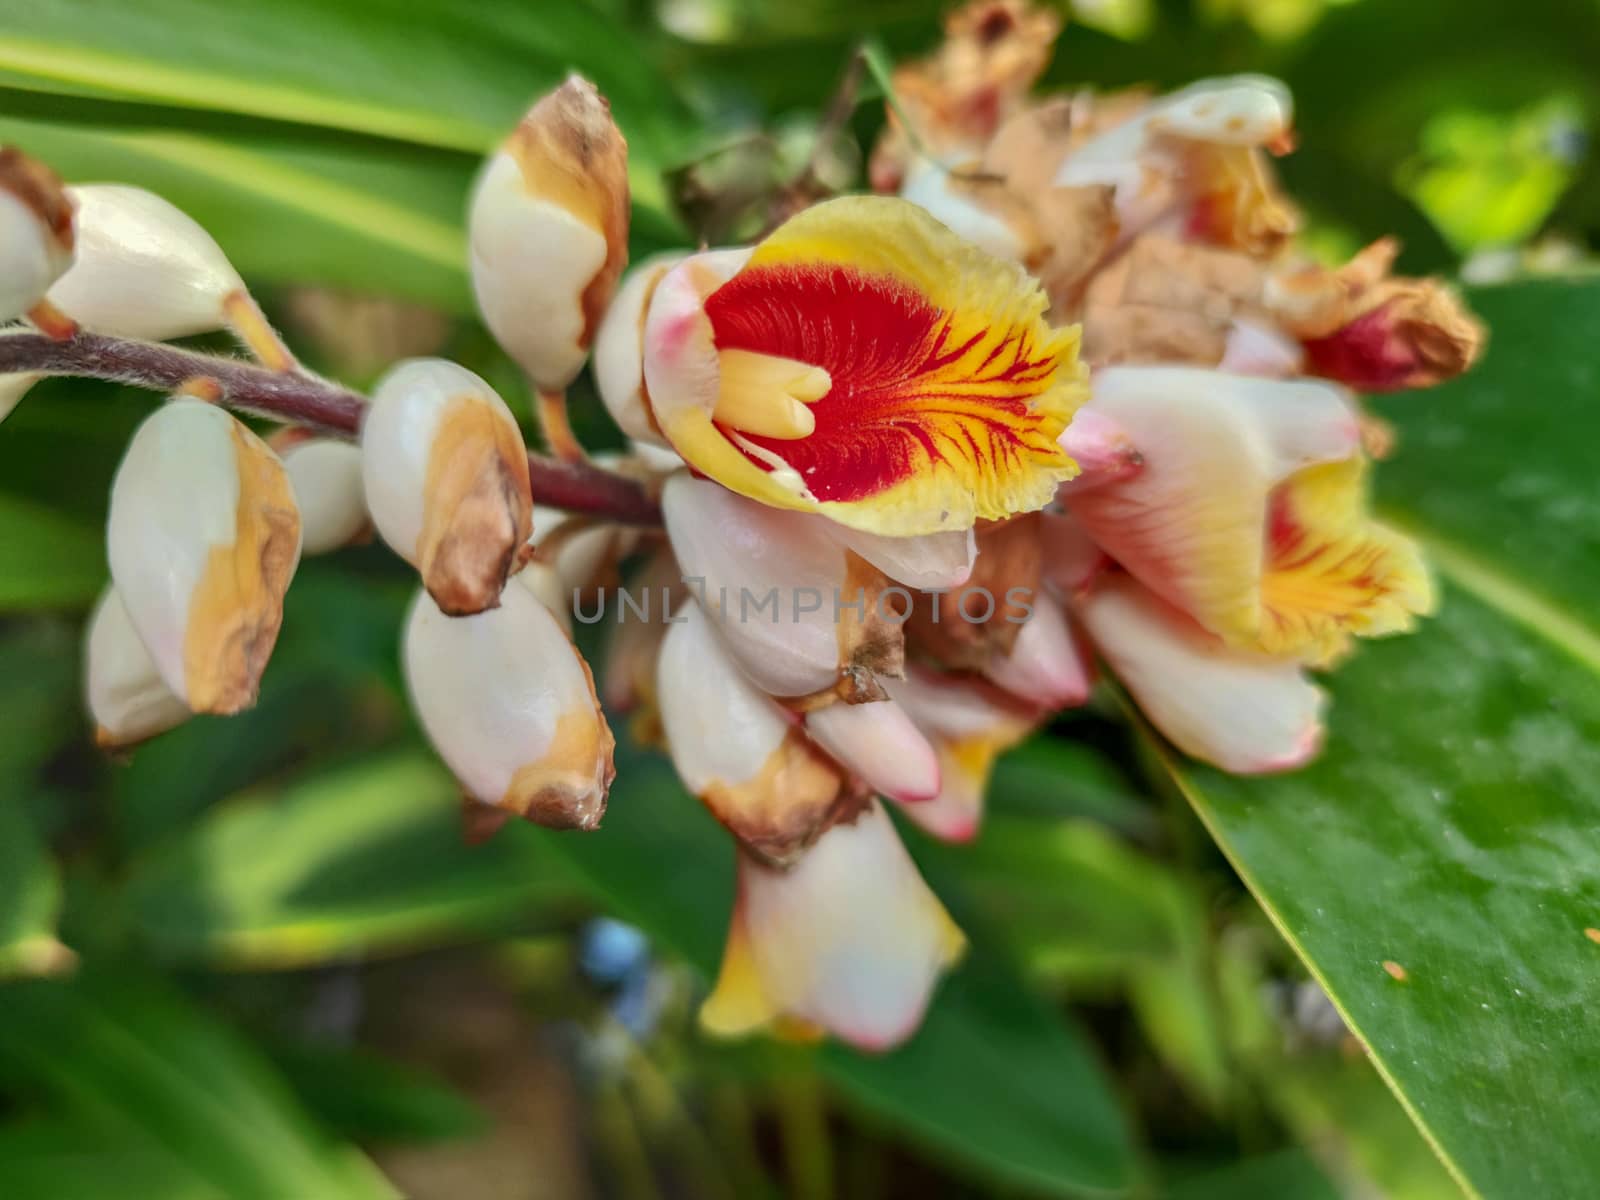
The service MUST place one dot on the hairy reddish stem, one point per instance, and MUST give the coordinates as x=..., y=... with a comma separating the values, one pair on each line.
x=299, y=398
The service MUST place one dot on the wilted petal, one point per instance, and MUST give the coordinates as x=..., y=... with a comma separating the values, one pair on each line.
x=866, y=364
x=144, y=268
x=849, y=939
x=509, y=704
x=879, y=743
x=326, y=476
x=619, y=349
x=736, y=749
x=800, y=614
x=446, y=480
x=36, y=233
x=203, y=538
x=1045, y=666
x=970, y=723
x=548, y=226
x=1240, y=710
x=1411, y=333
x=124, y=691
x=1191, y=524
x=966, y=627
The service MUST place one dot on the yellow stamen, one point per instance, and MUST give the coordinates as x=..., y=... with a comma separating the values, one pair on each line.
x=767, y=396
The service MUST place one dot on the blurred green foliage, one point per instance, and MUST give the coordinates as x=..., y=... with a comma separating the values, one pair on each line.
x=257, y=961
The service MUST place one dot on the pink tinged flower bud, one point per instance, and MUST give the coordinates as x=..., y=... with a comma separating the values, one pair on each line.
x=36, y=232
x=619, y=350
x=1045, y=666
x=970, y=723
x=737, y=750
x=124, y=692
x=203, y=538
x=849, y=941
x=144, y=268
x=326, y=476
x=880, y=745
x=548, y=225
x=1242, y=711
x=801, y=616
x=1256, y=349
x=1102, y=449
x=446, y=478
x=509, y=705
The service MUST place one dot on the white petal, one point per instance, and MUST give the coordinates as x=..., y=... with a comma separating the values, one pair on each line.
x=930, y=562
x=1045, y=666
x=326, y=474
x=122, y=687
x=927, y=185
x=681, y=369
x=619, y=349
x=636, y=630
x=772, y=578
x=203, y=538
x=1243, y=712
x=31, y=258
x=144, y=268
x=878, y=742
x=508, y=704
x=849, y=939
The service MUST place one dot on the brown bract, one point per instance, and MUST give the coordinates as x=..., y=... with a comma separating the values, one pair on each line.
x=572, y=154
x=477, y=507
x=237, y=606
x=961, y=631
x=871, y=639
x=992, y=52
x=786, y=806
x=566, y=787
x=41, y=192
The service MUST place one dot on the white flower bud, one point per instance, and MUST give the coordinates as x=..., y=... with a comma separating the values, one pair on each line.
x=326, y=476
x=144, y=269
x=548, y=224
x=879, y=744
x=736, y=749
x=619, y=350
x=36, y=232
x=509, y=704
x=203, y=539
x=800, y=615
x=123, y=689
x=849, y=940
x=445, y=472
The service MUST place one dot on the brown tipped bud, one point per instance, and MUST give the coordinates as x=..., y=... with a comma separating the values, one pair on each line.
x=446, y=480
x=36, y=232
x=510, y=706
x=1416, y=334
x=548, y=225
x=203, y=538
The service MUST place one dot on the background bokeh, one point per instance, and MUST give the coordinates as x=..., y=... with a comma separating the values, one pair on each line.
x=255, y=958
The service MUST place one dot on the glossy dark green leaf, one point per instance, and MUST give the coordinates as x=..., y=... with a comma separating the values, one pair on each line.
x=1435, y=868
x=138, y=1063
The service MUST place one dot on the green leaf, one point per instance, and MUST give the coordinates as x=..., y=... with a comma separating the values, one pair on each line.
x=368, y=1098
x=148, y=1071
x=1434, y=867
x=427, y=72
x=995, y=1079
x=47, y=560
x=75, y=1160
x=365, y=858
x=1287, y=1175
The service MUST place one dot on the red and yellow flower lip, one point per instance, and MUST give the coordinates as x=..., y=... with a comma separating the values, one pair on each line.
x=865, y=363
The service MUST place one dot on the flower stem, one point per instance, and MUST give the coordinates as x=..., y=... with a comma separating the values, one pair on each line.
x=296, y=397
